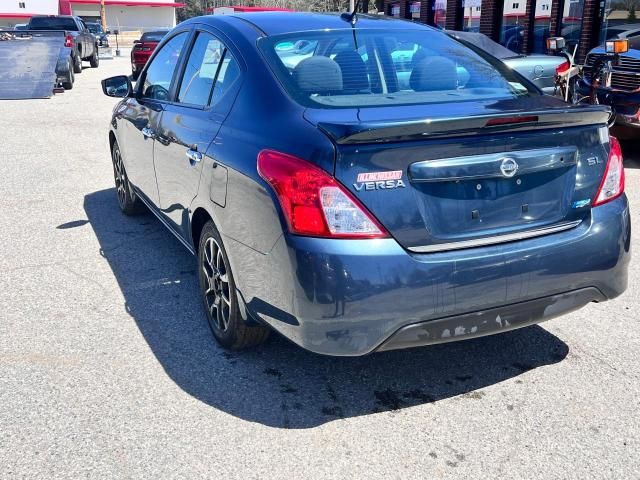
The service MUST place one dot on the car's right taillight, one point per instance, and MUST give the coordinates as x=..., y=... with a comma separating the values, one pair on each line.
x=314, y=203
x=612, y=185
x=562, y=68
x=68, y=41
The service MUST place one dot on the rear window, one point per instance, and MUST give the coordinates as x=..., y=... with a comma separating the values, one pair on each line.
x=152, y=36
x=370, y=68
x=53, y=23
x=94, y=27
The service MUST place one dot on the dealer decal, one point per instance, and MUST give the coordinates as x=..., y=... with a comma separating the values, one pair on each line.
x=379, y=180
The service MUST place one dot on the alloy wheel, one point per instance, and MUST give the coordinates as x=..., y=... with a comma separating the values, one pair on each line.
x=120, y=178
x=217, y=295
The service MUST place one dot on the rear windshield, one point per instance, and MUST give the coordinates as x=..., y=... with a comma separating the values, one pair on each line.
x=53, y=23
x=369, y=68
x=94, y=27
x=152, y=36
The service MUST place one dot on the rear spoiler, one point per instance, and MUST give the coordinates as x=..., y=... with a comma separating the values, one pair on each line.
x=381, y=132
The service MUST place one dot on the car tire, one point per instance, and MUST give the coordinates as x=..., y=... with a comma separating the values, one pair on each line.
x=94, y=59
x=220, y=299
x=77, y=64
x=128, y=201
x=68, y=83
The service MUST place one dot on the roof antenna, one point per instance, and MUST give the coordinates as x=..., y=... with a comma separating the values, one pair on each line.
x=352, y=17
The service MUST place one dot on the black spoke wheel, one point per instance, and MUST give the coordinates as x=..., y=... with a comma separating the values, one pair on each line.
x=219, y=295
x=128, y=201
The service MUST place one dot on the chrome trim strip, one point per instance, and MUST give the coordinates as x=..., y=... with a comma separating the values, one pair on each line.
x=481, y=242
x=164, y=222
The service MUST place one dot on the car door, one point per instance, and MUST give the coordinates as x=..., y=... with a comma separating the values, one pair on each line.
x=190, y=124
x=141, y=115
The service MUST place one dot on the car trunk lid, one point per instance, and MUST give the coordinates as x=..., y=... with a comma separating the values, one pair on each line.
x=472, y=179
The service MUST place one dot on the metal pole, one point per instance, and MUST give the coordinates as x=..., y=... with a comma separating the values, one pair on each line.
x=352, y=5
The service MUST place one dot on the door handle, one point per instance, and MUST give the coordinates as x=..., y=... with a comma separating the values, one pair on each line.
x=147, y=132
x=193, y=156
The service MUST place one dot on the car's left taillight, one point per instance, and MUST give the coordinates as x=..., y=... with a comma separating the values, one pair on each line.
x=313, y=202
x=68, y=41
x=612, y=185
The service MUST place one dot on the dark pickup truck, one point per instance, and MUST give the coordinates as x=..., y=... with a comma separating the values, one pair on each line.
x=78, y=37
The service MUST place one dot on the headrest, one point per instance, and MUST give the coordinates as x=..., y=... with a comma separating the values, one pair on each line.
x=318, y=74
x=354, y=71
x=434, y=73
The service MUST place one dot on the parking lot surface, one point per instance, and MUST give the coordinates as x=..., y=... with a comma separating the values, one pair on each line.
x=108, y=368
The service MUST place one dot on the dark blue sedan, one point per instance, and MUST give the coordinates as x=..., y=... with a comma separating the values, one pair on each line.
x=355, y=208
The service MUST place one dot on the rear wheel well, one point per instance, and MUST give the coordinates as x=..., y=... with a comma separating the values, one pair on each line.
x=198, y=220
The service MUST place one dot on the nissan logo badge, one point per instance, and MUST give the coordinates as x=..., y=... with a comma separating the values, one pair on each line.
x=509, y=167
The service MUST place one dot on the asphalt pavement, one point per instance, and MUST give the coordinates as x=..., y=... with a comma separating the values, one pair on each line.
x=108, y=368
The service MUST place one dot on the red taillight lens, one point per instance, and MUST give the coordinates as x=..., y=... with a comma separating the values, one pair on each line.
x=314, y=203
x=68, y=41
x=612, y=185
x=562, y=68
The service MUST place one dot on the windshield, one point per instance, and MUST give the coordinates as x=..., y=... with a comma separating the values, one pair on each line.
x=94, y=27
x=367, y=68
x=53, y=23
x=152, y=36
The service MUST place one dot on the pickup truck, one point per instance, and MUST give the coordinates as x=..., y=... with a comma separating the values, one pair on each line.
x=82, y=42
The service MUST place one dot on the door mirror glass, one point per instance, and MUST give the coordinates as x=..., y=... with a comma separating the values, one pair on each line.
x=119, y=86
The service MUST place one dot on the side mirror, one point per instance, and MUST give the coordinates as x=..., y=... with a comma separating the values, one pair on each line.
x=108, y=32
x=118, y=86
x=555, y=44
x=137, y=41
x=616, y=46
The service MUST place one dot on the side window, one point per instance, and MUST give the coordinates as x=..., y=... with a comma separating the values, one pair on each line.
x=157, y=81
x=228, y=74
x=201, y=69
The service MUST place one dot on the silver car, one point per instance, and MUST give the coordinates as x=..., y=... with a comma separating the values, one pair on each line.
x=540, y=69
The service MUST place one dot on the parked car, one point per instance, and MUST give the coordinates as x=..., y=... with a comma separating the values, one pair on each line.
x=539, y=69
x=621, y=89
x=351, y=215
x=78, y=37
x=97, y=31
x=143, y=49
x=20, y=26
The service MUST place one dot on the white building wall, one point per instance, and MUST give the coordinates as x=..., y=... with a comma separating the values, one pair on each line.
x=140, y=18
x=39, y=7
x=125, y=18
x=35, y=7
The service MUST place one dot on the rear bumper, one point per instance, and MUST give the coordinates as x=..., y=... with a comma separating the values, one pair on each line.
x=490, y=321
x=352, y=297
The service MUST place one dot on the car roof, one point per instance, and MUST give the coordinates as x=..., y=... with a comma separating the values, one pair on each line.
x=276, y=23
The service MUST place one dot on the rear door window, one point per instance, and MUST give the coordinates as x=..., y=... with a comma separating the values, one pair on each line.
x=201, y=70
x=209, y=74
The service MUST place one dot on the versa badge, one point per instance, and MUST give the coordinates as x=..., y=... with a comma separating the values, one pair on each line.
x=379, y=180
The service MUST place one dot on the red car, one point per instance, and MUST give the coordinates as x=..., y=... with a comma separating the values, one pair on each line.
x=142, y=50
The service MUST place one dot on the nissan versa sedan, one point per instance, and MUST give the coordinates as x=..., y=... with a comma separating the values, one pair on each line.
x=351, y=213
